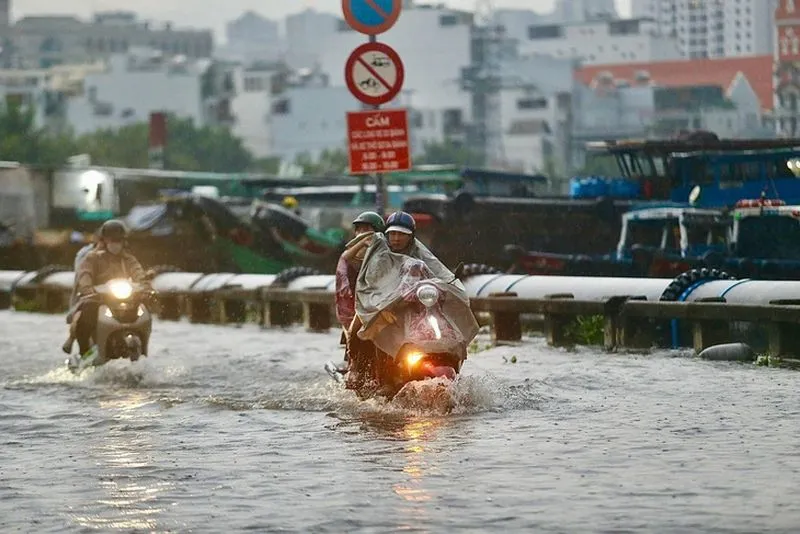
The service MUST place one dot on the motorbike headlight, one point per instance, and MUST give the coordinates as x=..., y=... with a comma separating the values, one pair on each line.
x=121, y=289
x=140, y=311
x=413, y=358
x=428, y=295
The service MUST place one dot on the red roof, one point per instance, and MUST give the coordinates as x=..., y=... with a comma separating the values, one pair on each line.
x=685, y=73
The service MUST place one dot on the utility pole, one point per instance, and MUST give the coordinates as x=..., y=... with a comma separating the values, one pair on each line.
x=483, y=79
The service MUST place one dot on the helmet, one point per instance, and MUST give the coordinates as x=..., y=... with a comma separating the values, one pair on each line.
x=400, y=221
x=371, y=218
x=114, y=230
x=289, y=202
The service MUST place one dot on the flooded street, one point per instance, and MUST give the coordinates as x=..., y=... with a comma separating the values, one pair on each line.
x=228, y=429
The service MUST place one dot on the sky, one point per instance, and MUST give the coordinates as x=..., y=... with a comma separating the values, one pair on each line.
x=215, y=13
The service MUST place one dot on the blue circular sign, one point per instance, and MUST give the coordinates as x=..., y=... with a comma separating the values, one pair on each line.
x=371, y=17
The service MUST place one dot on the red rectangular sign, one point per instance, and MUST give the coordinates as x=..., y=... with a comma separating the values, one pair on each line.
x=378, y=141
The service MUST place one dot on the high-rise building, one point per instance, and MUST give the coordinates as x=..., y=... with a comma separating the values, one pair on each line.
x=713, y=28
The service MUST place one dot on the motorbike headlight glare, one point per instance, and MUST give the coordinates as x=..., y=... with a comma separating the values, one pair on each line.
x=413, y=358
x=121, y=289
x=428, y=295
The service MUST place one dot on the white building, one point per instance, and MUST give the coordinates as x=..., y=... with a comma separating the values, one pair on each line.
x=40, y=42
x=307, y=33
x=714, y=28
x=142, y=81
x=46, y=91
x=536, y=113
x=584, y=10
x=309, y=117
x=601, y=42
x=252, y=38
x=251, y=107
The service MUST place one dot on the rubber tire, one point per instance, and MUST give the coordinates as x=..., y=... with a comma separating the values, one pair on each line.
x=683, y=281
x=292, y=273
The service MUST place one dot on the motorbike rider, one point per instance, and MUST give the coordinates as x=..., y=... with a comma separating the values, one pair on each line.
x=71, y=318
x=349, y=264
x=364, y=226
x=391, y=260
x=110, y=259
x=400, y=231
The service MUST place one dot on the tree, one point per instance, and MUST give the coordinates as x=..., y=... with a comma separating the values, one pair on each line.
x=209, y=148
x=22, y=141
x=330, y=162
x=449, y=153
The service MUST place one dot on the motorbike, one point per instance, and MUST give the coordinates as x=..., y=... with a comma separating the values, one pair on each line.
x=124, y=324
x=417, y=327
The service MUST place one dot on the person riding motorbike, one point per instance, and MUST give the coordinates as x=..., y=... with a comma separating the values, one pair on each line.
x=401, y=230
x=110, y=259
x=73, y=299
x=349, y=264
x=393, y=261
x=364, y=226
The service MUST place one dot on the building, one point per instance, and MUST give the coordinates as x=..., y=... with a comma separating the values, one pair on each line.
x=601, y=42
x=142, y=81
x=727, y=96
x=252, y=38
x=584, y=10
x=40, y=42
x=787, y=69
x=251, y=106
x=46, y=91
x=536, y=114
x=725, y=72
x=307, y=34
x=713, y=28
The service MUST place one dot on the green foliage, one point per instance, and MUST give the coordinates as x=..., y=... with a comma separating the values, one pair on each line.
x=209, y=149
x=330, y=163
x=21, y=140
x=586, y=330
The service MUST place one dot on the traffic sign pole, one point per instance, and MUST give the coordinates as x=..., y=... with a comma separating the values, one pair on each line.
x=380, y=196
x=373, y=17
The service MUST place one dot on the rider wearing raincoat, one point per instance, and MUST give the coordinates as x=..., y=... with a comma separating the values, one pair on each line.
x=392, y=264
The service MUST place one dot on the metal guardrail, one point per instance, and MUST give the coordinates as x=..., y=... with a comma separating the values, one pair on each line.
x=634, y=321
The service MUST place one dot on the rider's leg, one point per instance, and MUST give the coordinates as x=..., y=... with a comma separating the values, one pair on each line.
x=86, y=326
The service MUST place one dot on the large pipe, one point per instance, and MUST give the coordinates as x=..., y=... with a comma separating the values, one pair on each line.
x=525, y=286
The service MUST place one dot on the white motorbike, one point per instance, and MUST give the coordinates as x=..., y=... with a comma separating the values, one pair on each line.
x=124, y=324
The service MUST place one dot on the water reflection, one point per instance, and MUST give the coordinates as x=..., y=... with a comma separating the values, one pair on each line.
x=419, y=460
x=130, y=494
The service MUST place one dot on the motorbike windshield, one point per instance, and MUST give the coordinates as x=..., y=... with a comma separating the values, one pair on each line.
x=392, y=316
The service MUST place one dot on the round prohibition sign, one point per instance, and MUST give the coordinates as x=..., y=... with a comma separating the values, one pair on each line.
x=374, y=73
x=371, y=17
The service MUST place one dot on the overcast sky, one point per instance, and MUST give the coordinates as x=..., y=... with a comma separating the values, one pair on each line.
x=214, y=13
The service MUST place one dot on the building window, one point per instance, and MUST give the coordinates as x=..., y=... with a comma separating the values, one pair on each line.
x=51, y=44
x=281, y=107
x=531, y=103
x=553, y=31
x=448, y=20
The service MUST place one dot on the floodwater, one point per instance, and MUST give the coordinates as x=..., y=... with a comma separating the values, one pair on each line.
x=230, y=429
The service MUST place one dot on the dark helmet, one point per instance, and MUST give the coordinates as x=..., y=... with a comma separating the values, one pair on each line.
x=400, y=221
x=371, y=218
x=114, y=230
